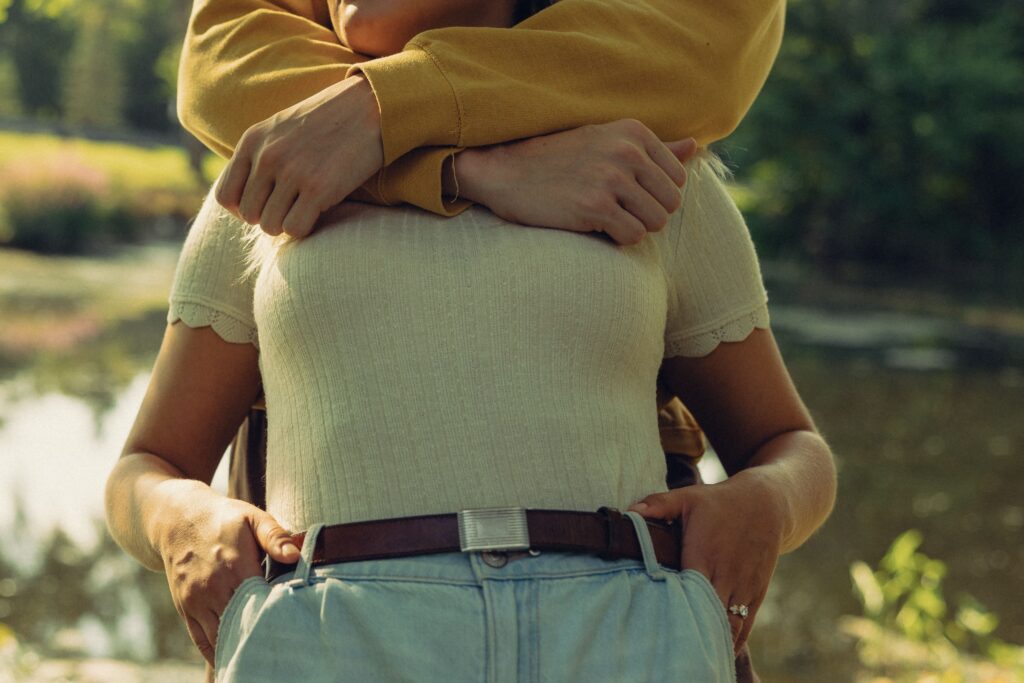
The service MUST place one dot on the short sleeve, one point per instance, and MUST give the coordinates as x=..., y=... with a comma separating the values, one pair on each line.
x=715, y=290
x=213, y=285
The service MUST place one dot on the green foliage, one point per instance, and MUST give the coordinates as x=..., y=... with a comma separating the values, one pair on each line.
x=891, y=133
x=905, y=592
x=907, y=625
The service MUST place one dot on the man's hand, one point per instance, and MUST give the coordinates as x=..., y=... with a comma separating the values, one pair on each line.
x=291, y=167
x=617, y=178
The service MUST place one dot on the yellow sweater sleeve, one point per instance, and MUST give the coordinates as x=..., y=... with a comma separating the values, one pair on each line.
x=245, y=60
x=682, y=67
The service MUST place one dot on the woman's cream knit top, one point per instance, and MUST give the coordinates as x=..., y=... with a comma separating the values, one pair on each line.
x=415, y=364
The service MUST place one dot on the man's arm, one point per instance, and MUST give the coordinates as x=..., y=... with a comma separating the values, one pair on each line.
x=244, y=60
x=679, y=66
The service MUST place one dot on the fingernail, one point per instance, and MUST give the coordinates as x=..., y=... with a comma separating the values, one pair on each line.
x=638, y=507
x=288, y=549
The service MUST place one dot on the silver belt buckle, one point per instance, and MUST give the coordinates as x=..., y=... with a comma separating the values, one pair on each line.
x=493, y=529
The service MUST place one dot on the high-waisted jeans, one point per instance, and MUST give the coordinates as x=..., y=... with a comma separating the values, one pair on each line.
x=554, y=617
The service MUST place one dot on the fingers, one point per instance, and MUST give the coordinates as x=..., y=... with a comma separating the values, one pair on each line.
x=725, y=592
x=748, y=623
x=738, y=592
x=753, y=605
x=277, y=207
x=254, y=197
x=272, y=538
x=657, y=177
x=644, y=207
x=622, y=226
x=228, y=192
x=301, y=218
x=669, y=505
x=203, y=632
x=683, y=150
x=666, y=175
x=653, y=181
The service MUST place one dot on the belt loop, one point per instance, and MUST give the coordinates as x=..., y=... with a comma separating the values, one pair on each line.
x=305, y=563
x=643, y=535
x=611, y=518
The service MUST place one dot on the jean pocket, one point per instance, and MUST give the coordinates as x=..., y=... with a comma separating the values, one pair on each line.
x=229, y=617
x=715, y=603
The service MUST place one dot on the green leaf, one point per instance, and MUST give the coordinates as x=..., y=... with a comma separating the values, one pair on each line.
x=868, y=590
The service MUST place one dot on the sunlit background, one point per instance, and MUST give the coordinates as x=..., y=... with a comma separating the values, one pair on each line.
x=881, y=174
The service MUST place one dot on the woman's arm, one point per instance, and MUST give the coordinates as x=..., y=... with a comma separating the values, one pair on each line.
x=744, y=398
x=782, y=483
x=159, y=505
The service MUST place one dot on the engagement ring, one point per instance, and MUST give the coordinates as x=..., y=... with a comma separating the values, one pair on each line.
x=739, y=610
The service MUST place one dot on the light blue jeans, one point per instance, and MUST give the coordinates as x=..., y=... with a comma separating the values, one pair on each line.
x=555, y=617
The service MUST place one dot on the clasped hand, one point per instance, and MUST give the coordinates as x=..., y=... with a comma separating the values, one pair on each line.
x=617, y=178
x=732, y=534
x=293, y=166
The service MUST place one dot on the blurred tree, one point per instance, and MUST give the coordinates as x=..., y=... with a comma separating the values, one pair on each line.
x=890, y=132
x=121, y=67
x=10, y=100
x=94, y=77
x=35, y=41
x=151, y=65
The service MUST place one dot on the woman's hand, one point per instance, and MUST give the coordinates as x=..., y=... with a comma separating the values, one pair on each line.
x=210, y=544
x=617, y=178
x=732, y=534
x=293, y=166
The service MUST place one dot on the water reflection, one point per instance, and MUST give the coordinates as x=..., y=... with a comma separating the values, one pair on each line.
x=923, y=412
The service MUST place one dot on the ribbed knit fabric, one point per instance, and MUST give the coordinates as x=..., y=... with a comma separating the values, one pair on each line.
x=414, y=364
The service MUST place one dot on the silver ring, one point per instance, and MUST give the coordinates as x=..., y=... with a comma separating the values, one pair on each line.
x=739, y=610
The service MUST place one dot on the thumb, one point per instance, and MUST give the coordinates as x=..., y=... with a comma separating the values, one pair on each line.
x=272, y=538
x=669, y=505
x=683, y=149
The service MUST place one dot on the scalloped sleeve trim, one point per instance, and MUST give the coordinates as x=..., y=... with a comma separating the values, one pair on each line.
x=228, y=327
x=703, y=341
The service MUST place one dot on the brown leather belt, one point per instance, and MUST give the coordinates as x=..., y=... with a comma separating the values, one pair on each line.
x=606, y=533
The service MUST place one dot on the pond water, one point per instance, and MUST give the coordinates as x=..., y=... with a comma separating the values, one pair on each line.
x=921, y=397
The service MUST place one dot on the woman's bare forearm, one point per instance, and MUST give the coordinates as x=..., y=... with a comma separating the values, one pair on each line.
x=138, y=498
x=797, y=473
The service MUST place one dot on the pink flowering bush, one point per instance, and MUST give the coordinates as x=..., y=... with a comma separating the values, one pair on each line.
x=61, y=204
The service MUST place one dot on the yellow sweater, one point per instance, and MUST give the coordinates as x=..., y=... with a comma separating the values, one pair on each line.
x=682, y=67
